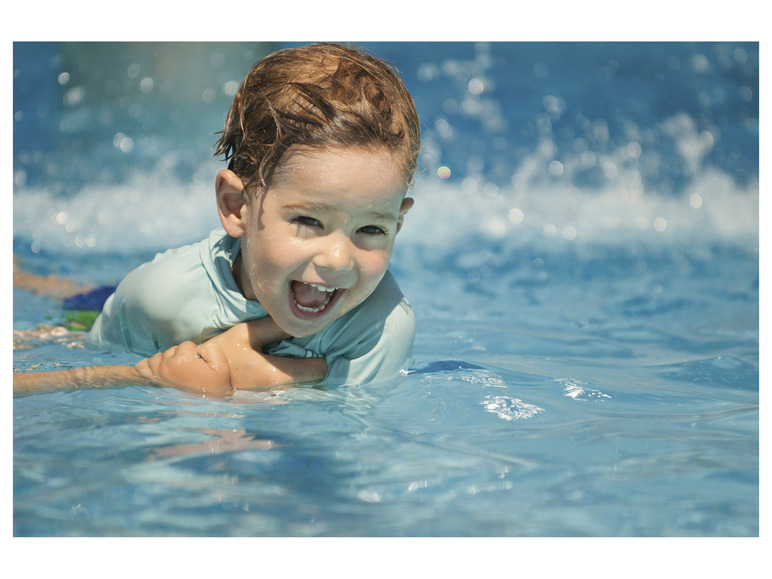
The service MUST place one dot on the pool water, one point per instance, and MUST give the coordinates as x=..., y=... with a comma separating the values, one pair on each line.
x=583, y=265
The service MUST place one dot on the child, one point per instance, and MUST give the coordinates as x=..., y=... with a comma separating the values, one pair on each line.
x=322, y=143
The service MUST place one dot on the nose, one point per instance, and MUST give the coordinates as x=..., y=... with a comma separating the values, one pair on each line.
x=335, y=254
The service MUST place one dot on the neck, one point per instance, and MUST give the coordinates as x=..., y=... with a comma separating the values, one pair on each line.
x=236, y=271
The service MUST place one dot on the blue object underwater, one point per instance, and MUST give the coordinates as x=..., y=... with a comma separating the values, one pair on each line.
x=92, y=300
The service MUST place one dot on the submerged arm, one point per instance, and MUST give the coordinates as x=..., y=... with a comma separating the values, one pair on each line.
x=50, y=285
x=75, y=378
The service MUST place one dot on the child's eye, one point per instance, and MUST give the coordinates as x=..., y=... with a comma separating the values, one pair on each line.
x=372, y=230
x=305, y=220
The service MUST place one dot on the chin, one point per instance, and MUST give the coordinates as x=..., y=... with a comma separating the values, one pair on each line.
x=302, y=322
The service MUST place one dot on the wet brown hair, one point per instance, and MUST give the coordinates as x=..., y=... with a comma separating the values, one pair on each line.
x=322, y=95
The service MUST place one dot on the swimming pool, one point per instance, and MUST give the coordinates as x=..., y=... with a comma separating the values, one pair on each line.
x=582, y=259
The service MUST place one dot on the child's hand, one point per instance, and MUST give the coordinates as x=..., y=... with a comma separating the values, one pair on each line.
x=199, y=369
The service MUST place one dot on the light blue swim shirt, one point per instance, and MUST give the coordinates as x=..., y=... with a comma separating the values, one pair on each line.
x=189, y=293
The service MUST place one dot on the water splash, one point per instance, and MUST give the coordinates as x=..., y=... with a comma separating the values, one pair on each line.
x=509, y=408
x=579, y=390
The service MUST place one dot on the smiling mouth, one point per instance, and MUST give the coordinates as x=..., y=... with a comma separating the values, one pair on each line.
x=312, y=299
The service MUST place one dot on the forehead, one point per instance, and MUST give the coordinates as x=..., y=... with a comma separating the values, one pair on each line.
x=369, y=172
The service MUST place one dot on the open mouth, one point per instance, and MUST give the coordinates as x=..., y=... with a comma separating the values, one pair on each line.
x=311, y=300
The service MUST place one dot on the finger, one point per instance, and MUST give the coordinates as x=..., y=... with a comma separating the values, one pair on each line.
x=180, y=356
x=143, y=368
x=212, y=354
x=186, y=348
x=154, y=363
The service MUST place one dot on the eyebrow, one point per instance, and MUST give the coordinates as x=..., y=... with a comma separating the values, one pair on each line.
x=319, y=208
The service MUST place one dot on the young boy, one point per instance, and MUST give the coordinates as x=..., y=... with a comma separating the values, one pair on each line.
x=322, y=143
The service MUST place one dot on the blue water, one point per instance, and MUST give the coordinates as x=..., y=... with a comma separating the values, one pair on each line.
x=583, y=261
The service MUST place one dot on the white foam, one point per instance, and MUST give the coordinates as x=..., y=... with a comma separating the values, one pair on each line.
x=141, y=215
x=148, y=212
x=711, y=208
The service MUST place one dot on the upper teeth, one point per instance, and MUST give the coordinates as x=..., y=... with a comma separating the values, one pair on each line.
x=322, y=288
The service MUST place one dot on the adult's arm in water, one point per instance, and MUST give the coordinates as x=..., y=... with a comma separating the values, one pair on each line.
x=75, y=378
x=230, y=361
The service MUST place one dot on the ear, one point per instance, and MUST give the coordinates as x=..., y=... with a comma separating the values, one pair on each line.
x=230, y=202
x=407, y=203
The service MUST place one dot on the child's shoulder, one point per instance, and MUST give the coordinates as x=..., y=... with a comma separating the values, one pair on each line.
x=170, y=280
x=387, y=296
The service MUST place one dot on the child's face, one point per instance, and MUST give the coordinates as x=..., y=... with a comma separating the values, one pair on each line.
x=318, y=241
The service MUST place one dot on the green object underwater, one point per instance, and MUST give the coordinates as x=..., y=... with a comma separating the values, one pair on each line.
x=79, y=312
x=79, y=320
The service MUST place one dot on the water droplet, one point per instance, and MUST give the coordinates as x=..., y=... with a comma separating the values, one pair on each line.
x=515, y=216
x=475, y=86
x=146, y=85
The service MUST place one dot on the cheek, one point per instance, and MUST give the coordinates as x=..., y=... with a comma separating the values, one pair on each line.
x=374, y=265
x=268, y=258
